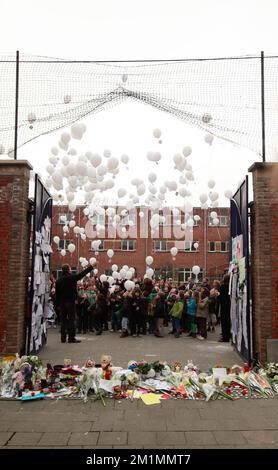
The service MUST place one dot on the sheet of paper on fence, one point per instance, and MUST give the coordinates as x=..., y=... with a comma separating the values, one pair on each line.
x=150, y=399
x=241, y=268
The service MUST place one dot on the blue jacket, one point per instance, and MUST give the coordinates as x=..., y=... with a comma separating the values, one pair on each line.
x=191, y=307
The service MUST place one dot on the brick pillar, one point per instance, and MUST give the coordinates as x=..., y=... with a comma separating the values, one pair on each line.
x=264, y=259
x=14, y=253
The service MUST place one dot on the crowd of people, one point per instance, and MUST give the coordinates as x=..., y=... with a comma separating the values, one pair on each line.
x=189, y=308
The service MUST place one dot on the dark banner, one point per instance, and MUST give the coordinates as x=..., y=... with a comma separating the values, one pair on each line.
x=241, y=327
x=40, y=268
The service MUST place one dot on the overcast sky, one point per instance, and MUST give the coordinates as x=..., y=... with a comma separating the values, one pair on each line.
x=143, y=29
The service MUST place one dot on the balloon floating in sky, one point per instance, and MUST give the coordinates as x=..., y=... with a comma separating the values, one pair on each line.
x=157, y=133
x=206, y=118
x=67, y=99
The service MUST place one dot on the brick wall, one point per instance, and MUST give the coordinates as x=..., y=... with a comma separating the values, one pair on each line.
x=264, y=257
x=213, y=264
x=14, y=249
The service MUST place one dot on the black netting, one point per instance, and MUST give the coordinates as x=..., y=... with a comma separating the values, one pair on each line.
x=222, y=96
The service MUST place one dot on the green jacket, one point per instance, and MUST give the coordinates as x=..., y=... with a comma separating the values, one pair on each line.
x=177, y=309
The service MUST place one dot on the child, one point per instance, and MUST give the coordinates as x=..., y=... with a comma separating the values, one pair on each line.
x=202, y=313
x=191, y=312
x=176, y=314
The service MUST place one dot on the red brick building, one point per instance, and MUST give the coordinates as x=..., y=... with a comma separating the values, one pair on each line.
x=136, y=242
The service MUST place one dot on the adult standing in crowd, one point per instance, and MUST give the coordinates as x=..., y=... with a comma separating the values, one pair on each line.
x=66, y=296
x=225, y=306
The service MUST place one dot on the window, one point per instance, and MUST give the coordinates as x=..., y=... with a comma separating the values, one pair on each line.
x=166, y=220
x=62, y=218
x=185, y=273
x=63, y=245
x=160, y=245
x=222, y=247
x=164, y=272
x=211, y=246
x=127, y=219
x=97, y=219
x=189, y=246
x=100, y=248
x=127, y=245
x=223, y=221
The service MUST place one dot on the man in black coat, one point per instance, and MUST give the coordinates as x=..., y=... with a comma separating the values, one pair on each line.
x=66, y=295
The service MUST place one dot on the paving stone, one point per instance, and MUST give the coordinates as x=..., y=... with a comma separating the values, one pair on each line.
x=4, y=437
x=82, y=439
x=25, y=439
x=54, y=439
x=170, y=438
x=52, y=425
x=141, y=438
x=112, y=438
x=140, y=424
x=261, y=437
x=5, y=425
x=229, y=437
x=201, y=438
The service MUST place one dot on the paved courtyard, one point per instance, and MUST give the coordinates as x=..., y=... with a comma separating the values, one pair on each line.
x=123, y=424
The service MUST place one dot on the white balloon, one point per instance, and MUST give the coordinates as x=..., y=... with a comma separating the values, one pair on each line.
x=65, y=160
x=206, y=118
x=102, y=170
x=141, y=189
x=72, y=207
x=115, y=275
x=56, y=240
x=112, y=164
x=96, y=244
x=209, y=139
x=157, y=133
x=92, y=261
x=50, y=169
x=141, y=214
x=110, y=280
x=65, y=137
x=71, y=247
x=123, y=273
x=121, y=192
x=129, y=285
x=196, y=270
x=154, y=156
x=63, y=252
x=107, y=153
x=152, y=189
x=110, y=211
x=183, y=192
x=190, y=223
x=189, y=176
x=215, y=221
x=57, y=177
x=197, y=217
x=71, y=169
x=149, y=260
x=213, y=196
x=95, y=271
x=76, y=131
x=211, y=184
x=65, y=229
x=154, y=222
x=83, y=236
x=55, y=151
x=72, y=223
x=213, y=214
x=203, y=198
x=110, y=253
x=149, y=272
x=174, y=251
x=103, y=278
x=96, y=160
x=114, y=267
x=76, y=230
x=125, y=159
x=204, y=206
x=72, y=151
x=187, y=151
x=81, y=168
x=196, y=245
x=228, y=193
x=129, y=274
x=152, y=177
x=67, y=99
